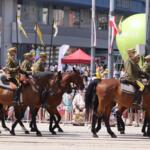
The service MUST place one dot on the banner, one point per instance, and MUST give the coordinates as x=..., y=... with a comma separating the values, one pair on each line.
x=62, y=50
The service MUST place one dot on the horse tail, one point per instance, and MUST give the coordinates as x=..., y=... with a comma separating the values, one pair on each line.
x=90, y=95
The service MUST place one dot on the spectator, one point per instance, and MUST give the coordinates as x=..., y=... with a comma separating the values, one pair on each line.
x=79, y=109
x=67, y=101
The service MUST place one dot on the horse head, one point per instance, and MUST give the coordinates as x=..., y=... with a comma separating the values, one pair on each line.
x=73, y=78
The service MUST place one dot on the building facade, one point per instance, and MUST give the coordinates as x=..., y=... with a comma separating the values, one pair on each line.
x=73, y=19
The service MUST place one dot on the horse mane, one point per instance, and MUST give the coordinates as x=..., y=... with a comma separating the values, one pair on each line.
x=43, y=74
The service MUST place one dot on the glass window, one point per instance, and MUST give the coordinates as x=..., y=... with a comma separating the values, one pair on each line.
x=42, y=15
x=123, y=3
x=74, y=18
x=102, y=21
x=58, y=15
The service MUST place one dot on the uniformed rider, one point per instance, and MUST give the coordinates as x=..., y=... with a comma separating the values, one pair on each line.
x=13, y=68
x=38, y=69
x=146, y=67
x=134, y=74
x=27, y=63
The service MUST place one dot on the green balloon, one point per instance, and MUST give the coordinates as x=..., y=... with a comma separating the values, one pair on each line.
x=133, y=33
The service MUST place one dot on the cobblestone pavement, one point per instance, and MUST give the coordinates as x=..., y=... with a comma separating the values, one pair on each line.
x=74, y=138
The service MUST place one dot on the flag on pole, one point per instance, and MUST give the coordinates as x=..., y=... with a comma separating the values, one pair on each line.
x=20, y=26
x=55, y=27
x=120, y=25
x=39, y=33
x=62, y=50
x=114, y=31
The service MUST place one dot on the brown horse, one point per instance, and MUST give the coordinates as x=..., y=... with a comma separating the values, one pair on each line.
x=53, y=101
x=99, y=102
x=109, y=90
x=125, y=100
x=30, y=97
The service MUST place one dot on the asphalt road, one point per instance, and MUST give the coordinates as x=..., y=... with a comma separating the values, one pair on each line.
x=74, y=138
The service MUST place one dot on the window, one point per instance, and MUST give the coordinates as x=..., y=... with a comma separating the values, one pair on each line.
x=102, y=21
x=74, y=18
x=58, y=15
x=123, y=3
x=42, y=15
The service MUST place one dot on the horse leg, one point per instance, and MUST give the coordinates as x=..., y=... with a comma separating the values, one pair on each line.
x=145, y=123
x=94, y=120
x=12, y=131
x=19, y=114
x=106, y=120
x=99, y=124
x=23, y=127
x=57, y=121
x=120, y=123
x=3, y=118
x=52, y=118
x=148, y=126
x=34, y=114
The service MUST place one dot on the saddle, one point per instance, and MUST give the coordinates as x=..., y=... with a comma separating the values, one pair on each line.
x=128, y=88
x=5, y=84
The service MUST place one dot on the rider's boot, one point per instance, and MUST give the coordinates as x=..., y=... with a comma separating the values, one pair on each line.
x=137, y=98
x=16, y=96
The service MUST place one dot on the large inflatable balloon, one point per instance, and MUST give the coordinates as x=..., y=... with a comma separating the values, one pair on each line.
x=133, y=32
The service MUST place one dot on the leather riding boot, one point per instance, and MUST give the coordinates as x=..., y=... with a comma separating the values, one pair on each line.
x=43, y=96
x=16, y=96
x=137, y=98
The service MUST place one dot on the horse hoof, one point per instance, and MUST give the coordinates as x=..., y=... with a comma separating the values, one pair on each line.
x=113, y=136
x=7, y=129
x=95, y=136
x=27, y=132
x=54, y=133
x=12, y=133
x=60, y=130
x=33, y=130
x=145, y=134
x=39, y=134
x=122, y=132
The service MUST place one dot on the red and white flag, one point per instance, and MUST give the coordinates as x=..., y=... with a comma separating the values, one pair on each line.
x=114, y=31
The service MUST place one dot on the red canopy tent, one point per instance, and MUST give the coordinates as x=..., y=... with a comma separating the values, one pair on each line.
x=78, y=57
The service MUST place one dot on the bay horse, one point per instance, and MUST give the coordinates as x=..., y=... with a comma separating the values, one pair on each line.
x=53, y=101
x=30, y=97
x=109, y=90
x=99, y=102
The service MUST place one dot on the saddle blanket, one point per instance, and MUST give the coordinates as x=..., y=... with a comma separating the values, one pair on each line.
x=127, y=88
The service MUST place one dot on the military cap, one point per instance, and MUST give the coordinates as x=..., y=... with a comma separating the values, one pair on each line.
x=42, y=54
x=27, y=55
x=12, y=49
x=131, y=50
x=147, y=57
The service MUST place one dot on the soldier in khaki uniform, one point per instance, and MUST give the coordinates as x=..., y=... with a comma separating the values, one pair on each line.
x=146, y=67
x=39, y=66
x=27, y=63
x=13, y=68
x=133, y=74
x=38, y=69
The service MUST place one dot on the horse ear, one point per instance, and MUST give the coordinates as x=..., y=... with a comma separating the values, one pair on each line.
x=59, y=75
x=74, y=69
